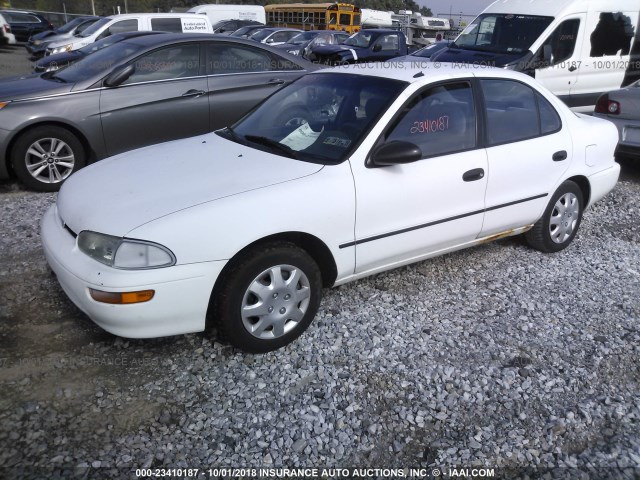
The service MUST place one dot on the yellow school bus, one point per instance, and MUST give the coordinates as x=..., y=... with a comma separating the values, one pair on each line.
x=314, y=16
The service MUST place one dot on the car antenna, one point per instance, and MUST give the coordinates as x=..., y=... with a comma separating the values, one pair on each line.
x=418, y=75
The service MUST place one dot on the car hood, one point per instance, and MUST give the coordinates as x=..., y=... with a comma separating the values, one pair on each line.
x=121, y=193
x=17, y=88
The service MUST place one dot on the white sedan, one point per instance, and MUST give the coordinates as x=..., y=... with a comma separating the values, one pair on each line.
x=343, y=174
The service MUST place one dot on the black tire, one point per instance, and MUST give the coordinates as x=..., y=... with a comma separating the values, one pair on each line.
x=234, y=293
x=56, y=171
x=558, y=227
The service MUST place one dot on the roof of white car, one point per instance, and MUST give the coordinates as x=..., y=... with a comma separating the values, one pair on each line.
x=417, y=71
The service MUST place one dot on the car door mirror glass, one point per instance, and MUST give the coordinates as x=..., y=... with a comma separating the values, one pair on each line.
x=395, y=153
x=119, y=76
x=377, y=48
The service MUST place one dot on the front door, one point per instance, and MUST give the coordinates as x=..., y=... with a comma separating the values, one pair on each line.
x=405, y=212
x=164, y=99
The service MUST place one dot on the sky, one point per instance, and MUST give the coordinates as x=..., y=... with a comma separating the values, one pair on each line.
x=470, y=7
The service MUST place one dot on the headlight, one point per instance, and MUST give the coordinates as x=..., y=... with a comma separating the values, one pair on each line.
x=63, y=48
x=123, y=252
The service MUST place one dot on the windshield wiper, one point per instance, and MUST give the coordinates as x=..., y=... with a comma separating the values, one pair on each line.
x=273, y=144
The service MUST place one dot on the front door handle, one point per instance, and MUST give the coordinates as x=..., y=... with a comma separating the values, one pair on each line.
x=473, y=175
x=276, y=81
x=559, y=156
x=193, y=93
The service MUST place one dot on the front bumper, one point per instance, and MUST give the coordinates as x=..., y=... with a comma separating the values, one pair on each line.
x=181, y=298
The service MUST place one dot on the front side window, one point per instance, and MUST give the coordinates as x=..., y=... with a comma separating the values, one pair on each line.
x=440, y=120
x=501, y=33
x=562, y=41
x=166, y=64
x=514, y=112
x=319, y=118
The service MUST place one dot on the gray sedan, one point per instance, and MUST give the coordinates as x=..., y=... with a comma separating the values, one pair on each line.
x=622, y=107
x=135, y=93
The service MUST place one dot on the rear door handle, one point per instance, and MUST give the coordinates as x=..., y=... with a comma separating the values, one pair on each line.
x=276, y=81
x=473, y=175
x=559, y=156
x=193, y=93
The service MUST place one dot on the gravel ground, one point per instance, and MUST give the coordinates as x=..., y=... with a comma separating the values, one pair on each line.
x=497, y=356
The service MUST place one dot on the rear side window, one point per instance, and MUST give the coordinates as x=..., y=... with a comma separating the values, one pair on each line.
x=516, y=112
x=166, y=25
x=225, y=58
x=549, y=119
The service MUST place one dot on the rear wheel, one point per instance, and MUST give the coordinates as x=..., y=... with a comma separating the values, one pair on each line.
x=269, y=297
x=44, y=157
x=559, y=224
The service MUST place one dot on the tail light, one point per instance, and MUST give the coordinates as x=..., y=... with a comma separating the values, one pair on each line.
x=607, y=106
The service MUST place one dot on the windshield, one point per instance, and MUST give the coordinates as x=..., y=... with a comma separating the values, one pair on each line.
x=94, y=28
x=303, y=38
x=320, y=118
x=360, y=39
x=67, y=27
x=100, y=62
x=502, y=33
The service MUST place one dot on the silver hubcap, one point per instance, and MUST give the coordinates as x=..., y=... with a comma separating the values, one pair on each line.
x=275, y=302
x=564, y=218
x=49, y=160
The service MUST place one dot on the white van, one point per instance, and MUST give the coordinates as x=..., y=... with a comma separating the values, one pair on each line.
x=164, y=22
x=216, y=13
x=578, y=49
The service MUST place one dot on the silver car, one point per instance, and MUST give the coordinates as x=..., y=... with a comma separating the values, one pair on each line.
x=134, y=93
x=622, y=107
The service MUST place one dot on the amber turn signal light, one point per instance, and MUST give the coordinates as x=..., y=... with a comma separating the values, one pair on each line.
x=121, y=298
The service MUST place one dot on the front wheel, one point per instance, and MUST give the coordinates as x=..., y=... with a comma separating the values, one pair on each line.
x=44, y=157
x=560, y=221
x=268, y=297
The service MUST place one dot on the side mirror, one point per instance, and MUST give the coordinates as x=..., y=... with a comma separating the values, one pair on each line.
x=119, y=76
x=377, y=48
x=394, y=153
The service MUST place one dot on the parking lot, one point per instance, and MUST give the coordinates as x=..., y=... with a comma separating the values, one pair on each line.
x=497, y=356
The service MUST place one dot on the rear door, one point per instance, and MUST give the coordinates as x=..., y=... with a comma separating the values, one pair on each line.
x=164, y=99
x=528, y=150
x=241, y=76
